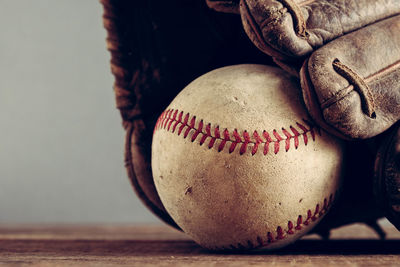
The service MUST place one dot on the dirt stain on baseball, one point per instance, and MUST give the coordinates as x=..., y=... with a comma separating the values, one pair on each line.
x=188, y=190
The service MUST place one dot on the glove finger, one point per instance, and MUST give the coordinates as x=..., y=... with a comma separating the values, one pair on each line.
x=294, y=28
x=351, y=86
x=137, y=163
x=136, y=68
x=225, y=6
x=387, y=175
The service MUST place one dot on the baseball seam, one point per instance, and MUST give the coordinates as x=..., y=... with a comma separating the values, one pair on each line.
x=280, y=233
x=180, y=122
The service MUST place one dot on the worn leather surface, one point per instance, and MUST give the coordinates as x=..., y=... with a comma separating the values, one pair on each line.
x=273, y=27
x=373, y=54
x=387, y=175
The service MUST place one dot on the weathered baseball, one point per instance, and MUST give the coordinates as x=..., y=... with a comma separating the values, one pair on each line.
x=238, y=164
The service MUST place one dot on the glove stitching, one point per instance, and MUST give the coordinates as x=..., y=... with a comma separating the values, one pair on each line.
x=297, y=15
x=373, y=77
x=359, y=85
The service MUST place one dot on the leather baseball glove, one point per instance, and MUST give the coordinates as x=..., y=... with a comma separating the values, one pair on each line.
x=158, y=47
x=349, y=52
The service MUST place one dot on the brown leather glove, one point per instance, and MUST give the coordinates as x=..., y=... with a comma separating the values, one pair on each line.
x=351, y=85
x=349, y=55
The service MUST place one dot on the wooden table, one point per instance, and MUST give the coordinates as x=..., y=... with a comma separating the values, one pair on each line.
x=102, y=245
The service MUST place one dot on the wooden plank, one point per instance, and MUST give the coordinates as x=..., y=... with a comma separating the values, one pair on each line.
x=66, y=245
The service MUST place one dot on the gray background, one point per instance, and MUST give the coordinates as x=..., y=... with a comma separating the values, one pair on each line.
x=61, y=140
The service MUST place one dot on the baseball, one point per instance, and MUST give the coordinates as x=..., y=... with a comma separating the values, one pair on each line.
x=238, y=164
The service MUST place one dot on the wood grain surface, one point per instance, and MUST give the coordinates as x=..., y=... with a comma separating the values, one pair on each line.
x=106, y=245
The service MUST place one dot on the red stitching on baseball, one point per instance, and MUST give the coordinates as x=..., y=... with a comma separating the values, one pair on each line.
x=277, y=142
x=288, y=137
x=173, y=119
x=280, y=235
x=247, y=140
x=296, y=136
x=299, y=222
x=268, y=140
x=291, y=229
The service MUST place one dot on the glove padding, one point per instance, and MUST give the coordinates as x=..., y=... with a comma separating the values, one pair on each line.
x=351, y=86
